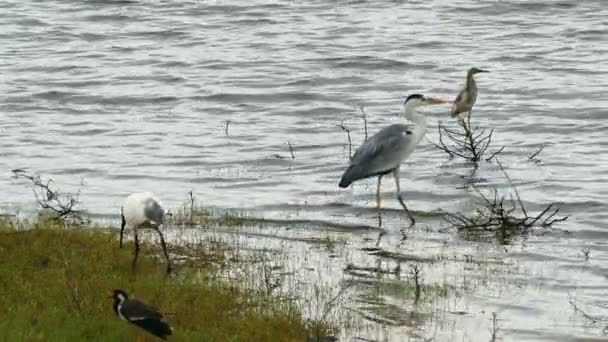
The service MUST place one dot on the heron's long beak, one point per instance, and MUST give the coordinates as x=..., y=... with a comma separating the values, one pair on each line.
x=480, y=70
x=434, y=101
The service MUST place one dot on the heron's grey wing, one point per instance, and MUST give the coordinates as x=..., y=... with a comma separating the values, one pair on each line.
x=135, y=309
x=154, y=212
x=385, y=150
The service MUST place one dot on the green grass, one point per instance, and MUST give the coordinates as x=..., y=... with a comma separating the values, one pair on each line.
x=57, y=285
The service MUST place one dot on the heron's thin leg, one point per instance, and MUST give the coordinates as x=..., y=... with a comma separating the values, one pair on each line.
x=123, y=223
x=136, y=250
x=396, y=176
x=378, y=201
x=164, y=245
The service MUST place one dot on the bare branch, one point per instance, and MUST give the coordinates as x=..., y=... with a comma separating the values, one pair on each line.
x=469, y=142
x=350, y=142
x=521, y=205
x=495, y=154
x=61, y=205
x=536, y=153
x=226, y=127
x=364, y=116
x=293, y=156
x=577, y=309
x=502, y=217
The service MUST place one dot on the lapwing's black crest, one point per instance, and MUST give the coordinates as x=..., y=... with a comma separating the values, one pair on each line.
x=141, y=314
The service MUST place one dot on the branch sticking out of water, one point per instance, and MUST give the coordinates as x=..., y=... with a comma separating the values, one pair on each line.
x=582, y=312
x=533, y=156
x=62, y=206
x=494, y=327
x=350, y=142
x=469, y=143
x=191, y=202
x=415, y=271
x=293, y=156
x=364, y=117
x=501, y=217
x=226, y=127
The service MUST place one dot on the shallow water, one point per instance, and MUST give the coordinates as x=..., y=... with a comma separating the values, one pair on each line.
x=127, y=96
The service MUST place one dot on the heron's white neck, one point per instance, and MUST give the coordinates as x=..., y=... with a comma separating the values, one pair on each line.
x=418, y=119
x=413, y=116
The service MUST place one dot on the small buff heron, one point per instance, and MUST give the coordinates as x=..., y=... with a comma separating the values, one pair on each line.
x=143, y=210
x=384, y=152
x=465, y=100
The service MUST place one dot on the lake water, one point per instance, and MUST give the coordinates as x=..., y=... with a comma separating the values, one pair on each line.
x=123, y=96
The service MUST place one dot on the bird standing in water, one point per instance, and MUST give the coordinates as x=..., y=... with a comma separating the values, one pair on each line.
x=384, y=151
x=465, y=100
x=141, y=314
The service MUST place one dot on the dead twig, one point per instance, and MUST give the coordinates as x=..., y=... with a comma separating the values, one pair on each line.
x=61, y=205
x=293, y=156
x=502, y=217
x=415, y=271
x=536, y=153
x=350, y=142
x=226, y=127
x=364, y=117
x=495, y=154
x=521, y=205
x=494, y=327
x=577, y=309
x=469, y=143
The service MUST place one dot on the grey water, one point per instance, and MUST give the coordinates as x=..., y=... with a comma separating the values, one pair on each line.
x=116, y=96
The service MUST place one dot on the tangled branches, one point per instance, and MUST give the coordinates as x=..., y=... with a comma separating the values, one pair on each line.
x=471, y=143
x=62, y=206
x=501, y=217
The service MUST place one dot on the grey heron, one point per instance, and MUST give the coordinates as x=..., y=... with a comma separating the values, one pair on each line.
x=465, y=100
x=141, y=314
x=143, y=210
x=384, y=152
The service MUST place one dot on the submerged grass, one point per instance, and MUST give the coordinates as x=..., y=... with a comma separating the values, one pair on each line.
x=57, y=285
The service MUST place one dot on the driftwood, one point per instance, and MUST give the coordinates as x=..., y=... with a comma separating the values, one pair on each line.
x=502, y=217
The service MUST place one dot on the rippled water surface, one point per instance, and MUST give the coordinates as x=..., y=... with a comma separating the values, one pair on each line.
x=127, y=96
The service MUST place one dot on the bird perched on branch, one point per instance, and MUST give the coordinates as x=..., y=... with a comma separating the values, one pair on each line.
x=465, y=100
x=143, y=210
x=384, y=151
x=141, y=314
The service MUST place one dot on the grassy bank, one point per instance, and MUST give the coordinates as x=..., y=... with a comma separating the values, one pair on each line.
x=57, y=282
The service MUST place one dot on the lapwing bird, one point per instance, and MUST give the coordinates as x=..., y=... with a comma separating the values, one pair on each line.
x=465, y=100
x=143, y=210
x=141, y=314
x=384, y=152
